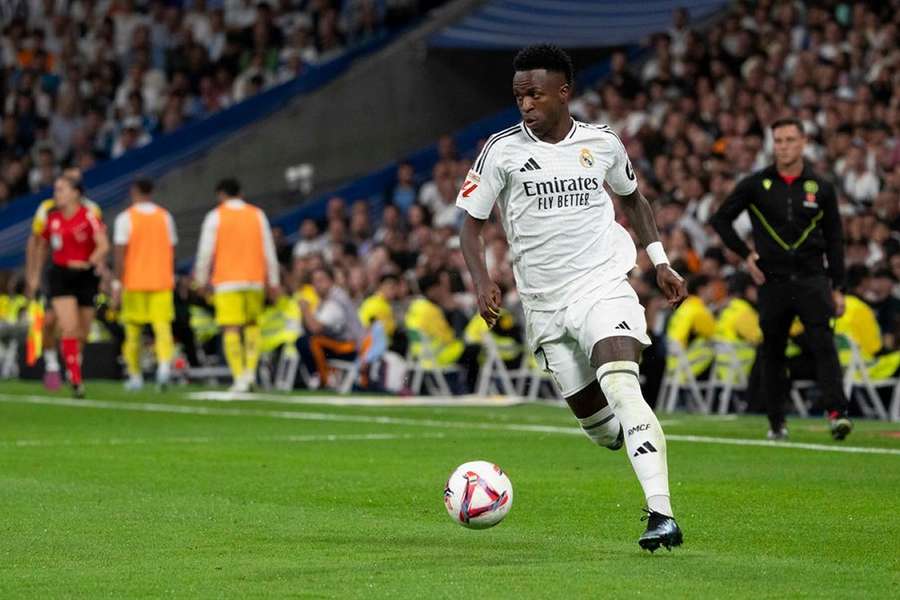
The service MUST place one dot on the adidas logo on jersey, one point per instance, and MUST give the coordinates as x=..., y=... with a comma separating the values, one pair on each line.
x=531, y=165
x=645, y=448
x=622, y=325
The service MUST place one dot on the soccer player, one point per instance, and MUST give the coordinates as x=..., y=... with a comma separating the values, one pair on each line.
x=236, y=255
x=144, y=237
x=571, y=259
x=77, y=240
x=52, y=378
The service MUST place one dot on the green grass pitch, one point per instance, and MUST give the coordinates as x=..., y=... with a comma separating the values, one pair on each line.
x=149, y=495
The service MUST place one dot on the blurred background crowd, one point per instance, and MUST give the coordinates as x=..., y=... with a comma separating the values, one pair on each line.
x=82, y=81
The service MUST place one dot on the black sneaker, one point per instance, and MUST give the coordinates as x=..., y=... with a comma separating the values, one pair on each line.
x=620, y=440
x=661, y=531
x=78, y=391
x=840, y=425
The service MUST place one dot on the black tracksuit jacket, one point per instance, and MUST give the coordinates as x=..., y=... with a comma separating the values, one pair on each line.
x=794, y=226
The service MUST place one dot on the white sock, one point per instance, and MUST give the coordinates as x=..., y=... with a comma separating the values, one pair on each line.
x=163, y=370
x=51, y=360
x=643, y=435
x=602, y=426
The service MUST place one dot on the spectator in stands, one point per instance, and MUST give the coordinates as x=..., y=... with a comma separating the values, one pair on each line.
x=403, y=192
x=333, y=329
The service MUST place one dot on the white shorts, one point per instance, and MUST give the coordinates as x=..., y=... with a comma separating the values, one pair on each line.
x=563, y=340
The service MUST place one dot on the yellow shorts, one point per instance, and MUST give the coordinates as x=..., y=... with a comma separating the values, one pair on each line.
x=240, y=307
x=147, y=307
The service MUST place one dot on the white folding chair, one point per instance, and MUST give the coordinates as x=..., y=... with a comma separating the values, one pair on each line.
x=680, y=377
x=726, y=358
x=859, y=386
x=423, y=368
x=493, y=375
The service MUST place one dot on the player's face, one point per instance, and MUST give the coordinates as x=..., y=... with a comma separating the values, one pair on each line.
x=789, y=143
x=541, y=97
x=63, y=193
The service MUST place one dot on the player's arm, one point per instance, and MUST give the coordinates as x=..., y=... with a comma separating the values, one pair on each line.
x=121, y=235
x=205, y=248
x=38, y=258
x=273, y=269
x=472, y=247
x=101, y=244
x=479, y=192
x=723, y=222
x=834, y=237
x=622, y=180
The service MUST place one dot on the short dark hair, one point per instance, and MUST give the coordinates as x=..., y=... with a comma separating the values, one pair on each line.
x=545, y=56
x=229, y=186
x=856, y=275
x=787, y=122
x=144, y=185
x=738, y=283
x=325, y=270
x=428, y=281
x=389, y=277
x=695, y=282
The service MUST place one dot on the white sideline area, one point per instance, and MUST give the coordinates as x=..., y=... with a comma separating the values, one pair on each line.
x=154, y=407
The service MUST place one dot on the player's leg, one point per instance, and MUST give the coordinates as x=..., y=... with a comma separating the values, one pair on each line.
x=612, y=329
x=596, y=416
x=775, y=315
x=230, y=317
x=133, y=317
x=559, y=354
x=815, y=308
x=254, y=300
x=161, y=314
x=66, y=308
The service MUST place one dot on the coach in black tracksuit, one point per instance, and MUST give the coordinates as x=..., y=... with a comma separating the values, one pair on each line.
x=796, y=229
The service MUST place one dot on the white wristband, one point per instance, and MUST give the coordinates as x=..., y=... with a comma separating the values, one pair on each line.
x=657, y=254
x=116, y=285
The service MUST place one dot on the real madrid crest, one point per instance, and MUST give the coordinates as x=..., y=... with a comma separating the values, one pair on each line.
x=586, y=159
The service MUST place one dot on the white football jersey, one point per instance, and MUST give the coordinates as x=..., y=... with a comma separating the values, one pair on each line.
x=558, y=218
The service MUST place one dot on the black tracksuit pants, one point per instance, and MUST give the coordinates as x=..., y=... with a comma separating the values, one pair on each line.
x=808, y=297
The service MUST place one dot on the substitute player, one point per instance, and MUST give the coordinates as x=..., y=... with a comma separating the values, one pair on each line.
x=52, y=379
x=78, y=245
x=144, y=254
x=571, y=259
x=236, y=254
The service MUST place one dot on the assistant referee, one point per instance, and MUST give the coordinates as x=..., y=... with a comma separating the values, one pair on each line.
x=798, y=264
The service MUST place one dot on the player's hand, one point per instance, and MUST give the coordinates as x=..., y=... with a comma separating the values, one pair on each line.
x=756, y=273
x=115, y=298
x=489, y=299
x=671, y=283
x=839, y=303
x=274, y=292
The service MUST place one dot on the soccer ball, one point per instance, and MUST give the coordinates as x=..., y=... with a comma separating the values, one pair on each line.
x=478, y=494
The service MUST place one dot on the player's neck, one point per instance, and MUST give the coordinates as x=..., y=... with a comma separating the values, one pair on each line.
x=69, y=210
x=559, y=131
x=793, y=169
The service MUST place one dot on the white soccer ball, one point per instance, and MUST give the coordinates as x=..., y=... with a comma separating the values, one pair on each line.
x=478, y=494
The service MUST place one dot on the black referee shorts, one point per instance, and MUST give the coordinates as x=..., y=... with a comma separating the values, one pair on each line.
x=82, y=284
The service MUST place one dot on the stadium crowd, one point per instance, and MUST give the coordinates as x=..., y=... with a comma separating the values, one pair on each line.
x=695, y=119
x=82, y=81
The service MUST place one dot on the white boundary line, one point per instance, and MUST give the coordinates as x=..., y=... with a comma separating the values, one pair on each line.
x=292, y=439
x=378, y=401
x=318, y=416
